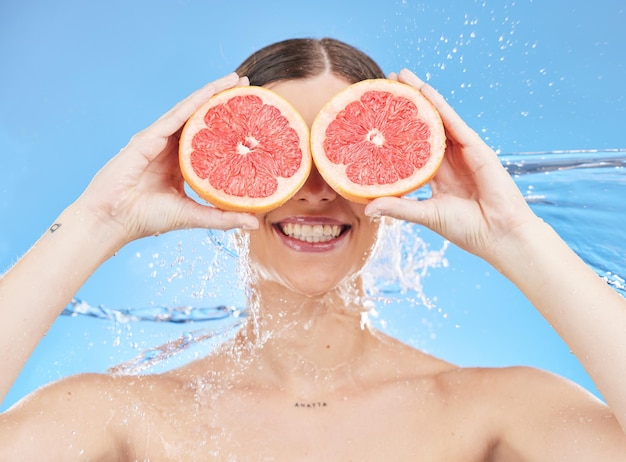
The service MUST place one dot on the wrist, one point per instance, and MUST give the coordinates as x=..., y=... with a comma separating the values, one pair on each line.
x=522, y=247
x=100, y=233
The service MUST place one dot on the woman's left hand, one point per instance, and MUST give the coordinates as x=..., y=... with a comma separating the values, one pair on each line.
x=475, y=203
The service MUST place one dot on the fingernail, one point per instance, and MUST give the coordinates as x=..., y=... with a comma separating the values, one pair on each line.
x=373, y=213
x=410, y=76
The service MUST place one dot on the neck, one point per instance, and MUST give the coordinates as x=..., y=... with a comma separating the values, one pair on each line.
x=300, y=340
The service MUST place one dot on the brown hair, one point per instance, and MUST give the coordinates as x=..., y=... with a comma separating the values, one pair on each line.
x=306, y=57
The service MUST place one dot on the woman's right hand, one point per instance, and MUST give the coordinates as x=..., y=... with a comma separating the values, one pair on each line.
x=140, y=192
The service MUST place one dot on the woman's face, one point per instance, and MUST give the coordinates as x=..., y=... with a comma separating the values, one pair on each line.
x=317, y=239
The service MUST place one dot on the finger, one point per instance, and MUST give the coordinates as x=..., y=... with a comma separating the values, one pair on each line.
x=456, y=127
x=243, y=81
x=172, y=120
x=393, y=76
x=420, y=212
x=151, y=141
x=203, y=216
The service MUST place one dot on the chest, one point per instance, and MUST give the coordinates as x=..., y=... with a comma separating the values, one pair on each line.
x=392, y=423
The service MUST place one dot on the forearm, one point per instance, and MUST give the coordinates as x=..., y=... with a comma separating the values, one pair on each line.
x=581, y=307
x=38, y=287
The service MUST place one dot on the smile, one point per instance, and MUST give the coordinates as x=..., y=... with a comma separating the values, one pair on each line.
x=311, y=233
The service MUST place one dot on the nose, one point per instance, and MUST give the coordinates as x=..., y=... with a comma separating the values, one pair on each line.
x=315, y=190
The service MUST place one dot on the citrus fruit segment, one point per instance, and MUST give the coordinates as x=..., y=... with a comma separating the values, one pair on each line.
x=377, y=138
x=246, y=150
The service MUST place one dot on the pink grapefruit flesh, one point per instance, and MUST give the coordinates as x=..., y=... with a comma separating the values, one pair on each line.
x=377, y=138
x=246, y=150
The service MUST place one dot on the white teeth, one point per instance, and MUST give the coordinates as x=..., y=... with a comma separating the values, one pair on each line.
x=311, y=233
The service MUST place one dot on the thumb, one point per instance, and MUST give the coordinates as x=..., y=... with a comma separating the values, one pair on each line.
x=203, y=216
x=423, y=212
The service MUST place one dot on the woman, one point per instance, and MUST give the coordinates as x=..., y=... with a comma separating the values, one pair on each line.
x=305, y=380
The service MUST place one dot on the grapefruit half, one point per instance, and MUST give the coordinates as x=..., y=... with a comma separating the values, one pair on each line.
x=377, y=138
x=246, y=149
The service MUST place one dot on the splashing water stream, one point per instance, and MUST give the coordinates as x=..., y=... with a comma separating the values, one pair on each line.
x=579, y=193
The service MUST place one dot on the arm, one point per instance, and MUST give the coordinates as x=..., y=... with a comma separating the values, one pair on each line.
x=476, y=205
x=140, y=192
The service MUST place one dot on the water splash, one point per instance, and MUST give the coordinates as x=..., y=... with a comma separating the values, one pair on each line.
x=149, y=358
x=579, y=193
x=176, y=314
x=400, y=263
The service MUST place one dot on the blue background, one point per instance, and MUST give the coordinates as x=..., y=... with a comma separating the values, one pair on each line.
x=80, y=78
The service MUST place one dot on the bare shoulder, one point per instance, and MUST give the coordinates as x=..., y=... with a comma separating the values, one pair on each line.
x=78, y=416
x=539, y=415
x=519, y=413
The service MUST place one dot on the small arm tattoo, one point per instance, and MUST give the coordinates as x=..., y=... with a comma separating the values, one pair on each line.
x=54, y=227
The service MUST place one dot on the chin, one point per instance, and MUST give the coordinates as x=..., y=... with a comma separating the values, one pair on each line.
x=309, y=285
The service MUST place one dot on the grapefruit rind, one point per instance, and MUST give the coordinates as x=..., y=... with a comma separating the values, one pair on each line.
x=335, y=174
x=287, y=186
